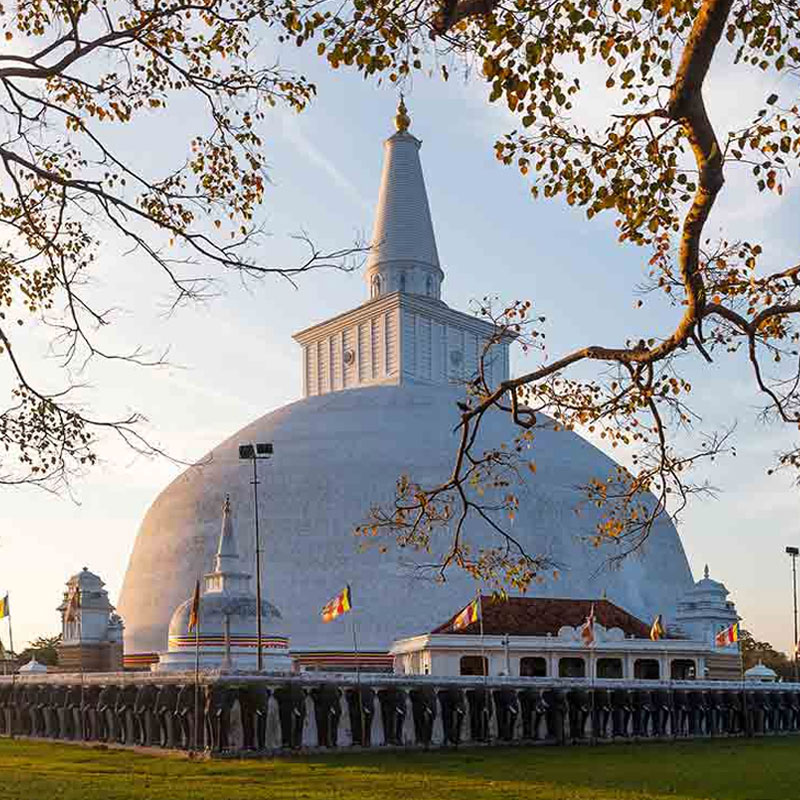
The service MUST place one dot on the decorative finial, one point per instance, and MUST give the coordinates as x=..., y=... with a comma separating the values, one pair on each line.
x=705, y=574
x=402, y=121
x=226, y=506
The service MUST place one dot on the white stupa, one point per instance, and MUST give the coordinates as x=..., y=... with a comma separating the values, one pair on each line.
x=380, y=386
x=33, y=667
x=227, y=627
x=760, y=673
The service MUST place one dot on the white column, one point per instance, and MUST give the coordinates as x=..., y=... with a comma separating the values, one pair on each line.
x=553, y=665
x=628, y=662
x=342, y=348
x=387, y=361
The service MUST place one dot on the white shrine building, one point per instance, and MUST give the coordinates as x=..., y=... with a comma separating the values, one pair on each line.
x=91, y=635
x=541, y=637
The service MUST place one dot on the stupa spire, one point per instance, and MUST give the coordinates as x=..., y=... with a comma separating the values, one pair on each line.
x=403, y=255
x=227, y=575
x=227, y=554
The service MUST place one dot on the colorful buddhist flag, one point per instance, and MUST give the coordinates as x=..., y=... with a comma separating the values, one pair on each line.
x=657, y=629
x=728, y=636
x=337, y=606
x=73, y=604
x=587, y=630
x=469, y=614
x=194, y=614
x=5, y=609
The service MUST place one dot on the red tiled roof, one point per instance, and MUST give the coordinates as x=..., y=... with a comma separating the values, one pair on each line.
x=538, y=616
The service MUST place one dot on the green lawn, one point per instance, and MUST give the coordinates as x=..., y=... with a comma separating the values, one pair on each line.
x=734, y=770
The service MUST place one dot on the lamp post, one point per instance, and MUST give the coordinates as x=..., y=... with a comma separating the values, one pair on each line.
x=255, y=453
x=794, y=552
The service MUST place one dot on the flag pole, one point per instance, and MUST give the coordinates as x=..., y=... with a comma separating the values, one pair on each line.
x=80, y=657
x=10, y=635
x=745, y=726
x=592, y=670
x=196, y=726
x=14, y=662
x=358, y=671
x=484, y=661
x=671, y=692
x=484, y=666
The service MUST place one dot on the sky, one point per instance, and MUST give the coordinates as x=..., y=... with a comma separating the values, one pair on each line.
x=232, y=359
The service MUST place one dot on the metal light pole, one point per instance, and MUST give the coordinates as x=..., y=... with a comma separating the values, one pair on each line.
x=794, y=552
x=255, y=453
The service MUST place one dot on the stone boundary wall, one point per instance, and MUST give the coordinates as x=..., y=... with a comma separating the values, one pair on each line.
x=232, y=712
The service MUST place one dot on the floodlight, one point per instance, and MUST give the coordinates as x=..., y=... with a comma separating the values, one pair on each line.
x=260, y=451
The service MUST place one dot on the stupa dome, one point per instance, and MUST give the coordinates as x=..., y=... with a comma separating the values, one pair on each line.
x=33, y=667
x=380, y=386
x=240, y=611
x=761, y=673
x=335, y=456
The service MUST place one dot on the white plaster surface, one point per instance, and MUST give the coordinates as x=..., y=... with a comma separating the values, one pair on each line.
x=337, y=454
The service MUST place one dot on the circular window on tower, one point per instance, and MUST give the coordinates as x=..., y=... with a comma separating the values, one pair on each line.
x=349, y=358
x=456, y=358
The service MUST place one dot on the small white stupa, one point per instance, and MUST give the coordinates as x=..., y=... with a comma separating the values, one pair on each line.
x=33, y=667
x=227, y=629
x=761, y=673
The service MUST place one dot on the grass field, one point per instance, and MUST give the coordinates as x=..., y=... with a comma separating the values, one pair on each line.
x=733, y=770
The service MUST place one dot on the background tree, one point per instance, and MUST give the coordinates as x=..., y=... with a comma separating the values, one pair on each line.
x=656, y=164
x=754, y=652
x=44, y=649
x=71, y=73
